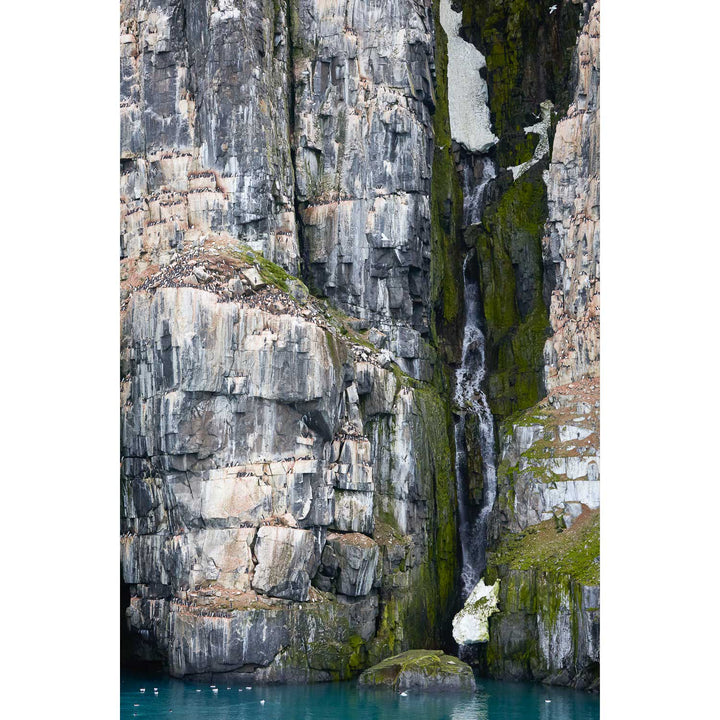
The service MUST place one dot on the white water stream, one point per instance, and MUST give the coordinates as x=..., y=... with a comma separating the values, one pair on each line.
x=470, y=398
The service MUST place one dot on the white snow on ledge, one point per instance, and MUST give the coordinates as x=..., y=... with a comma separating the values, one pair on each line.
x=541, y=128
x=470, y=122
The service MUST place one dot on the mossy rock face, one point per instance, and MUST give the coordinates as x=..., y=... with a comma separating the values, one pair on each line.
x=446, y=206
x=548, y=626
x=425, y=670
x=529, y=54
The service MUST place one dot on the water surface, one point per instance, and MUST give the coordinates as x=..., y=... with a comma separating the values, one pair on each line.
x=494, y=700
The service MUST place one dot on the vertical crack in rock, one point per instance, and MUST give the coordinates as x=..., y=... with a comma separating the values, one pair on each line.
x=470, y=398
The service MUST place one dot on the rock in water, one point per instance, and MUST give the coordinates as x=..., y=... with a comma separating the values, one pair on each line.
x=470, y=625
x=428, y=670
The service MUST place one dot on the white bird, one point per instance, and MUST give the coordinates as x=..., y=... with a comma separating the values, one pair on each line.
x=262, y=702
x=248, y=687
x=198, y=691
x=239, y=689
x=227, y=688
x=548, y=701
x=403, y=694
x=215, y=689
x=553, y=8
x=212, y=686
x=155, y=689
x=142, y=689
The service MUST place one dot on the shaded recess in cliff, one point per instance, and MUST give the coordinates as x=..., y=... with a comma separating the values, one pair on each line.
x=528, y=53
x=541, y=228
x=446, y=203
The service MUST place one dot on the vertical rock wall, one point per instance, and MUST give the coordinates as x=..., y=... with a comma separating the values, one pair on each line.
x=205, y=127
x=275, y=473
x=288, y=489
x=363, y=129
x=546, y=521
x=571, y=247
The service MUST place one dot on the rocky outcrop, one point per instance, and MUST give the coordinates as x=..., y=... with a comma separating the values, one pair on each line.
x=550, y=461
x=420, y=670
x=349, y=563
x=205, y=127
x=571, y=247
x=265, y=450
x=548, y=628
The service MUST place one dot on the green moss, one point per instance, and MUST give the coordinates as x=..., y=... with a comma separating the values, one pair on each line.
x=271, y=273
x=508, y=243
x=446, y=203
x=541, y=547
x=528, y=53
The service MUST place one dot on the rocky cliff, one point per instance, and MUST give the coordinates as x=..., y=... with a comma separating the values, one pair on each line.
x=306, y=187
x=537, y=240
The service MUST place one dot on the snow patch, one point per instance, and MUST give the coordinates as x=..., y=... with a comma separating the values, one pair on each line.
x=470, y=625
x=470, y=122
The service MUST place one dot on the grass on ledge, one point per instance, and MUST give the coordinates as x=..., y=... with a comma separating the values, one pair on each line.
x=543, y=547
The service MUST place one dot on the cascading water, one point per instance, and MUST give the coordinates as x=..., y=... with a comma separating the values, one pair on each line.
x=470, y=398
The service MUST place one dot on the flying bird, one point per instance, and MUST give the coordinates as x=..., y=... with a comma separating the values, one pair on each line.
x=553, y=8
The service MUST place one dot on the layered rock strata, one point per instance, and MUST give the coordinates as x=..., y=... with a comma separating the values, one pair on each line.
x=571, y=247
x=288, y=490
x=264, y=453
x=205, y=127
x=363, y=129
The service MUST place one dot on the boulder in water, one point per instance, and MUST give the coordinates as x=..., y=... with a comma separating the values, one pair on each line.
x=427, y=670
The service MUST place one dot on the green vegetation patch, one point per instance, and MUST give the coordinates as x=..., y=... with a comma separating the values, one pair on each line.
x=544, y=547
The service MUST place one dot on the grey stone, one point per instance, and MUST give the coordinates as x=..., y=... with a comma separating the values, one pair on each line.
x=348, y=564
x=286, y=560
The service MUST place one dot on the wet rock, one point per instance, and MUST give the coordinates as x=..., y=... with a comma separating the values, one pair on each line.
x=420, y=670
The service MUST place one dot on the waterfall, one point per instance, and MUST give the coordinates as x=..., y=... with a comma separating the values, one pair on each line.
x=470, y=398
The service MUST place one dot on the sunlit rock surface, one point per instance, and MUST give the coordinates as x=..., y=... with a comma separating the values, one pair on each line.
x=572, y=242
x=470, y=625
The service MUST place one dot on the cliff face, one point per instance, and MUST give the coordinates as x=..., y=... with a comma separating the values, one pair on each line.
x=287, y=508
x=545, y=523
x=300, y=184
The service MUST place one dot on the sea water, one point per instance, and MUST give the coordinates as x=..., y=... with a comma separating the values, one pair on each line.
x=493, y=700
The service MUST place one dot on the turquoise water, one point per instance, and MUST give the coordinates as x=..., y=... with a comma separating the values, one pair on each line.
x=494, y=700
